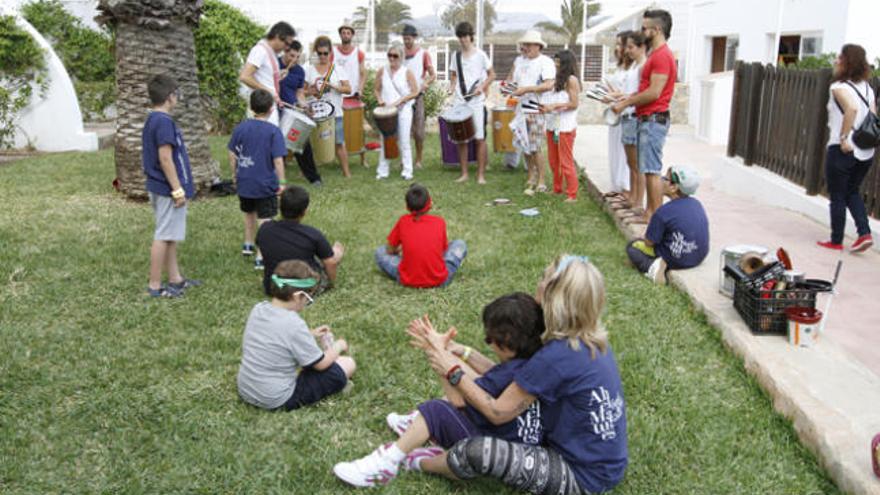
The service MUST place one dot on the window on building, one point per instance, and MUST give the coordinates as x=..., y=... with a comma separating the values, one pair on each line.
x=731, y=52
x=724, y=52
x=789, y=49
x=811, y=46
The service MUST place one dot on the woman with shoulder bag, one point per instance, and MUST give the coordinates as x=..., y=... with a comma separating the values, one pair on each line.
x=850, y=102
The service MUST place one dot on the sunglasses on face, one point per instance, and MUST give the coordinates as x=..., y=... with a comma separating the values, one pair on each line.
x=393, y=56
x=323, y=54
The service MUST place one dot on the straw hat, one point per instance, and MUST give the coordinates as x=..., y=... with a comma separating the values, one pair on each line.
x=532, y=36
x=346, y=24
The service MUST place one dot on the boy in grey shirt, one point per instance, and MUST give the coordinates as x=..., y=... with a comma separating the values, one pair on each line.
x=281, y=363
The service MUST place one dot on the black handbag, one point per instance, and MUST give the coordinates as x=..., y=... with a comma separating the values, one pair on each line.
x=867, y=135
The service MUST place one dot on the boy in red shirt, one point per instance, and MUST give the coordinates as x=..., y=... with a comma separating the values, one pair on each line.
x=418, y=254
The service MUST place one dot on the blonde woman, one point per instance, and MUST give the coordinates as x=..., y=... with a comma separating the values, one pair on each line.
x=396, y=86
x=574, y=377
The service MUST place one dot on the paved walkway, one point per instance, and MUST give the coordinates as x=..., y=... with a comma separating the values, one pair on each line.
x=830, y=392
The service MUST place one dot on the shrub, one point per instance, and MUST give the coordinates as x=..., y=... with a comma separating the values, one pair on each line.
x=22, y=70
x=223, y=39
x=823, y=61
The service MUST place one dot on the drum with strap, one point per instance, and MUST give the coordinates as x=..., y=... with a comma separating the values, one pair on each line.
x=323, y=138
x=386, y=121
x=296, y=128
x=460, y=123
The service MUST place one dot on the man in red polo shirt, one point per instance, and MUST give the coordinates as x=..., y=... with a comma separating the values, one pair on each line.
x=656, y=87
x=417, y=254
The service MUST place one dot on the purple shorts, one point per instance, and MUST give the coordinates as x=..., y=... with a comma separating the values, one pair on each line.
x=446, y=424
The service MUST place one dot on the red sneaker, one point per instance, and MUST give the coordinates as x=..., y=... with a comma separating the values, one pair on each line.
x=830, y=245
x=863, y=243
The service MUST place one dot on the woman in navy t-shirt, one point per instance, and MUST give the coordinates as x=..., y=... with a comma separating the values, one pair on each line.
x=575, y=378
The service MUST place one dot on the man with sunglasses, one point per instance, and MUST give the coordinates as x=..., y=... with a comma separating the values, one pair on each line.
x=293, y=94
x=351, y=60
x=656, y=87
x=678, y=235
x=261, y=70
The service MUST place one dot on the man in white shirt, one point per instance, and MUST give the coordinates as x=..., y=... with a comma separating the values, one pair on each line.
x=534, y=74
x=261, y=70
x=419, y=62
x=351, y=59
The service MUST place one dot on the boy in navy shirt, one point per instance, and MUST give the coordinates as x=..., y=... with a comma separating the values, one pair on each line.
x=256, y=155
x=169, y=184
x=513, y=326
x=678, y=234
x=292, y=88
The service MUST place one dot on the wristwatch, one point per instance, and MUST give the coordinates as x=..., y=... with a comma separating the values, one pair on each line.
x=455, y=376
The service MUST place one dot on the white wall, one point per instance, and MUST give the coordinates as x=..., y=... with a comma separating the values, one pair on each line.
x=716, y=91
x=53, y=121
x=862, y=27
x=754, y=22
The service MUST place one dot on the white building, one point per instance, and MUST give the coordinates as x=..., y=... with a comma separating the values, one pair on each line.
x=766, y=31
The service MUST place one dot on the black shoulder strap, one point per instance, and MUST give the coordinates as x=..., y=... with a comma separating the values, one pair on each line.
x=863, y=98
x=461, y=84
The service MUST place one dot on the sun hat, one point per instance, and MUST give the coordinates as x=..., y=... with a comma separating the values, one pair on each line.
x=686, y=178
x=346, y=25
x=532, y=36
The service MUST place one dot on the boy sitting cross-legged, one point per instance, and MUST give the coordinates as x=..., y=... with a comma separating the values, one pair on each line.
x=513, y=325
x=256, y=155
x=418, y=254
x=281, y=363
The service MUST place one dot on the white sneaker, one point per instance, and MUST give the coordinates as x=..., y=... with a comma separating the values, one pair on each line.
x=372, y=470
x=657, y=271
x=381, y=177
x=413, y=460
x=399, y=423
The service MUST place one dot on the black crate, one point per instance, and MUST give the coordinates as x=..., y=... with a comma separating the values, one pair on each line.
x=764, y=311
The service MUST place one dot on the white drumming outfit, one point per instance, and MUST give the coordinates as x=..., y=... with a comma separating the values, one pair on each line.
x=474, y=69
x=313, y=77
x=532, y=72
x=395, y=87
x=268, y=74
x=617, y=165
x=350, y=65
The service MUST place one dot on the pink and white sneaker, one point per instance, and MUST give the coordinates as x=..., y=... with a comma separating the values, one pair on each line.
x=373, y=470
x=413, y=460
x=399, y=423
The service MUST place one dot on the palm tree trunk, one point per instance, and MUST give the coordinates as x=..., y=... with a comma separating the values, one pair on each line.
x=141, y=53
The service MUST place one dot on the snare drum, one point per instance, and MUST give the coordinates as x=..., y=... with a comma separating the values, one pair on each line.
x=460, y=123
x=502, y=135
x=296, y=128
x=386, y=120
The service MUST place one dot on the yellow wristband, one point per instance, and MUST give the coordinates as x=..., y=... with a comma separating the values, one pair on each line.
x=178, y=193
x=467, y=353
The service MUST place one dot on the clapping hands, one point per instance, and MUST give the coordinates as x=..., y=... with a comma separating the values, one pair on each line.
x=437, y=346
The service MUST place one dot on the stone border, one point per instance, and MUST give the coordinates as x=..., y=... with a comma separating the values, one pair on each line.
x=832, y=401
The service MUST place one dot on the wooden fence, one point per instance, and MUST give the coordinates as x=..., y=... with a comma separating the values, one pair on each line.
x=779, y=121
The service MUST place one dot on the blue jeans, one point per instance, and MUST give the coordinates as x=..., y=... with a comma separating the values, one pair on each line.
x=844, y=175
x=652, y=137
x=453, y=257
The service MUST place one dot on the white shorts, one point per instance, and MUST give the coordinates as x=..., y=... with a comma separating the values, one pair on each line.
x=170, y=221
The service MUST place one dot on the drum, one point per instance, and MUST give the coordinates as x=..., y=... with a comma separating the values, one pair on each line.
x=386, y=120
x=460, y=122
x=353, y=124
x=449, y=150
x=390, y=146
x=324, y=140
x=502, y=135
x=296, y=128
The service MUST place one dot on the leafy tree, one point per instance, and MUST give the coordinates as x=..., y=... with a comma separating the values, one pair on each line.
x=389, y=15
x=22, y=70
x=572, y=14
x=466, y=10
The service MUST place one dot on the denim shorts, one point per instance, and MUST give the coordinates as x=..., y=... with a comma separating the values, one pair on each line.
x=652, y=137
x=340, y=131
x=629, y=127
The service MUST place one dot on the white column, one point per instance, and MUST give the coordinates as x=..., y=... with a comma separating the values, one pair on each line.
x=479, y=37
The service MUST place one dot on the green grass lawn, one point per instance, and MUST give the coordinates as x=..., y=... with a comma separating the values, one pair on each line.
x=105, y=390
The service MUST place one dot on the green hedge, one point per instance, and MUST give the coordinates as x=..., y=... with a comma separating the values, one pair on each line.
x=22, y=71
x=223, y=39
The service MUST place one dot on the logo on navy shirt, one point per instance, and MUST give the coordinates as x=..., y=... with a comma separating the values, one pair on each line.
x=607, y=412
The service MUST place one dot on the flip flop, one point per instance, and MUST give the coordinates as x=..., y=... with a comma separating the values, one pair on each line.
x=630, y=213
x=635, y=220
x=611, y=194
x=620, y=205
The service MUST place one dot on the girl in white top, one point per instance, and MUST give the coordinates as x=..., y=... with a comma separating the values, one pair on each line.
x=477, y=72
x=396, y=86
x=561, y=108
x=634, y=52
x=330, y=89
x=846, y=164
x=617, y=164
